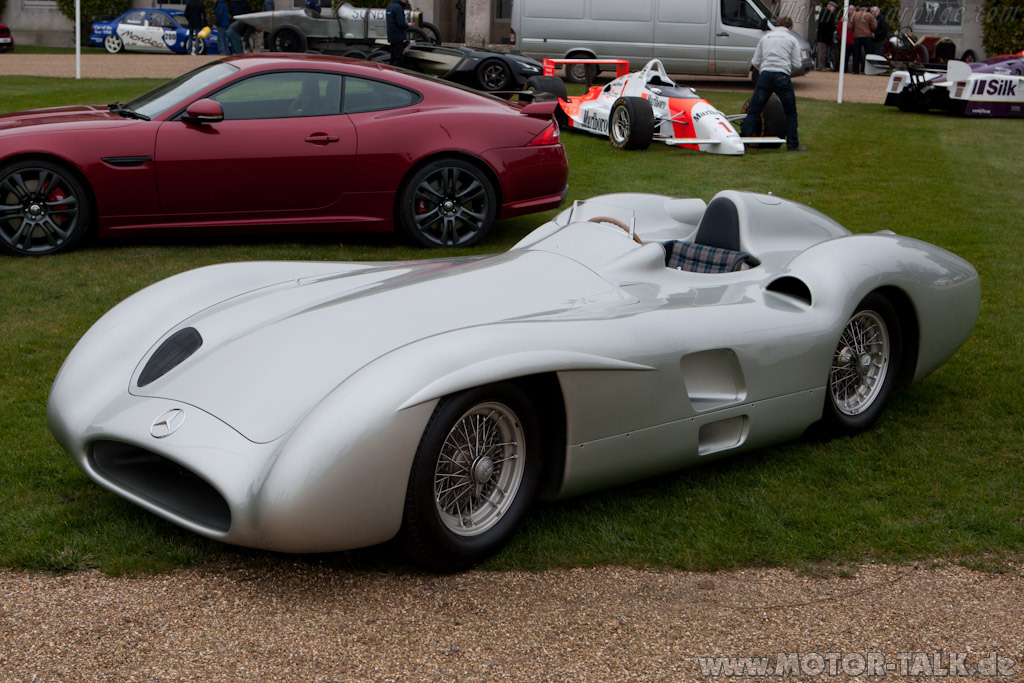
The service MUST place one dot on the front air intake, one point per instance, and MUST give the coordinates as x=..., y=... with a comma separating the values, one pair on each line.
x=171, y=353
x=161, y=482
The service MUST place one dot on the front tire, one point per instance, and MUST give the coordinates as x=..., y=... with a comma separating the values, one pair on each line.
x=113, y=44
x=864, y=368
x=631, y=123
x=44, y=209
x=447, y=203
x=286, y=39
x=474, y=476
x=493, y=74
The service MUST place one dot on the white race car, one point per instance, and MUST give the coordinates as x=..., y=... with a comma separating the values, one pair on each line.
x=994, y=87
x=647, y=105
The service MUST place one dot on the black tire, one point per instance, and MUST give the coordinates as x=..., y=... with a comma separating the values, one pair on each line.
x=922, y=54
x=553, y=86
x=432, y=31
x=47, y=209
x=772, y=122
x=580, y=73
x=355, y=54
x=288, y=39
x=493, y=74
x=463, y=504
x=912, y=100
x=418, y=35
x=447, y=203
x=631, y=123
x=113, y=44
x=864, y=368
x=968, y=56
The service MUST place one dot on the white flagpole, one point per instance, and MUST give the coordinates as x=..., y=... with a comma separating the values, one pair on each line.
x=78, y=39
x=842, y=49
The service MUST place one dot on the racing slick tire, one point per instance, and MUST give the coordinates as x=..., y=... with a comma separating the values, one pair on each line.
x=288, y=39
x=912, y=100
x=631, y=123
x=448, y=202
x=475, y=475
x=772, y=123
x=493, y=74
x=553, y=86
x=113, y=44
x=864, y=367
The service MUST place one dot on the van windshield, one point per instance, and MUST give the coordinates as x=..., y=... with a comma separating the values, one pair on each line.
x=746, y=13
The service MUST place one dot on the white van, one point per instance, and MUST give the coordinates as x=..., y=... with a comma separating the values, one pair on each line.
x=688, y=36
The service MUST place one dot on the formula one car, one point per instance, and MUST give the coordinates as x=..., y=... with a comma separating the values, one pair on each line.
x=637, y=108
x=993, y=87
x=148, y=30
x=480, y=68
x=308, y=407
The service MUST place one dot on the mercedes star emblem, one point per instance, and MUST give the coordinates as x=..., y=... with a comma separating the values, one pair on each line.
x=168, y=423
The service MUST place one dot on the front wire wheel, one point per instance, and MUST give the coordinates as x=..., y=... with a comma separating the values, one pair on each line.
x=448, y=203
x=43, y=209
x=474, y=476
x=864, y=366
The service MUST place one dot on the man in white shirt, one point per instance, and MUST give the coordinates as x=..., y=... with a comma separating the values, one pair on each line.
x=776, y=56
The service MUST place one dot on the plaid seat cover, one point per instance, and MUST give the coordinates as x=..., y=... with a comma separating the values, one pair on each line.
x=700, y=258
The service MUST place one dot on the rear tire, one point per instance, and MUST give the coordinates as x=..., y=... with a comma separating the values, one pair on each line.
x=580, y=73
x=554, y=86
x=772, y=123
x=287, y=39
x=418, y=35
x=447, y=203
x=432, y=31
x=493, y=74
x=474, y=476
x=631, y=123
x=113, y=44
x=864, y=368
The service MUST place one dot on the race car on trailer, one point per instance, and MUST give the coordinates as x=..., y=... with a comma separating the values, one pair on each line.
x=993, y=87
x=637, y=108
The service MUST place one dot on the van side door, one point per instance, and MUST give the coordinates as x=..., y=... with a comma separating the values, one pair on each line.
x=739, y=24
x=682, y=36
x=622, y=29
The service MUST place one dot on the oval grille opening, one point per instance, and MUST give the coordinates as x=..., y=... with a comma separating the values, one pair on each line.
x=171, y=353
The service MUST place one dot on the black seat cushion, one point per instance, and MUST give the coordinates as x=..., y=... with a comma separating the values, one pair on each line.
x=720, y=225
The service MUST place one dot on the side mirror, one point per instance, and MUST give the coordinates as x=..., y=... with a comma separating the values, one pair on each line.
x=764, y=25
x=204, y=111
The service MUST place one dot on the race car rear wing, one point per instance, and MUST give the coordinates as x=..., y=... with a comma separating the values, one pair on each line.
x=621, y=65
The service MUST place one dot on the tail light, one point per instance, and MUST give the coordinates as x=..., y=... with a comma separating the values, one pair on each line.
x=548, y=136
x=512, y=37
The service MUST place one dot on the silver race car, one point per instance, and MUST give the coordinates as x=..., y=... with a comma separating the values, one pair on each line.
x=307, y=407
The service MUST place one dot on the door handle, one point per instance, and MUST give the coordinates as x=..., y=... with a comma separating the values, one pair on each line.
x=321, y=139
x=723, y=34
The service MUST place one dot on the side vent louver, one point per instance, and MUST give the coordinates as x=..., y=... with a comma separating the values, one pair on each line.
x=791, y=287
x=171, y=353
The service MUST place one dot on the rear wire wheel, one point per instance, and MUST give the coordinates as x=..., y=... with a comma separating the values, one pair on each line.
x=474, y=476
x=864, y=367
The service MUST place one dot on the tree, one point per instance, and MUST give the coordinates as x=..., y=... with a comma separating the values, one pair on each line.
x=1003, y=24
x=91, y=8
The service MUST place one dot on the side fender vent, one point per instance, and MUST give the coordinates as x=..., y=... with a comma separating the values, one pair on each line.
x=791, y=287
x=171, y=353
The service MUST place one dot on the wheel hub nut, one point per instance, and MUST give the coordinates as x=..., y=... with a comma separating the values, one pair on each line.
x=483, y=470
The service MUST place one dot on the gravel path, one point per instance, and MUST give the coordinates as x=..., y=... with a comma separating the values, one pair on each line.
x=299, y=623
x=815, y=85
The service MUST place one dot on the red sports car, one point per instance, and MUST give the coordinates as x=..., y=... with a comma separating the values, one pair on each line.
x=6, y=39
x=275, y=143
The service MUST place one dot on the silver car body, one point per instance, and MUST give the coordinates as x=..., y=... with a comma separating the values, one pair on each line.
x=350, y=23
x=295, y=424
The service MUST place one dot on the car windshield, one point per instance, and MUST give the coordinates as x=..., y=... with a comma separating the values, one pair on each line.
x=173, y=92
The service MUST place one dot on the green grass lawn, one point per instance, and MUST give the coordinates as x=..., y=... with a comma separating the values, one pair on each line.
x=940, y=478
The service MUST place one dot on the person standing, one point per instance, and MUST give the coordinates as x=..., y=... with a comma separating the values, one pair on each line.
x=398, y=30
x=195, y=14
x=221, y=20
x=313, y=8
x=844, y=29
x=826, y=29
x=882, y=32
x=776, y=55
x=864, y=26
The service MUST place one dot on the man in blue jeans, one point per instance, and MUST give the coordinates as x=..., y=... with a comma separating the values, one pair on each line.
x=776, y=56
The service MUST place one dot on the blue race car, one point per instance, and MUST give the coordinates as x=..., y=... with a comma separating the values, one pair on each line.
x=148, y=30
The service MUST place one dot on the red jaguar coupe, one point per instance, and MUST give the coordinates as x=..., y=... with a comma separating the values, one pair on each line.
x=279, y=143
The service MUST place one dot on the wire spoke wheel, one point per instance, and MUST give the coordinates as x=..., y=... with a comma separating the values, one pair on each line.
x=479, y=469
x=860, y=364
x=41, y=209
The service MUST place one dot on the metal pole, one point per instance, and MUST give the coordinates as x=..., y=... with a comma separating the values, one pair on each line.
x=78, y=39
x=842, y=49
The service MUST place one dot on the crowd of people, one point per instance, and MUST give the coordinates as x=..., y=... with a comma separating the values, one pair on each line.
x=865, y=30
x=231, y=33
